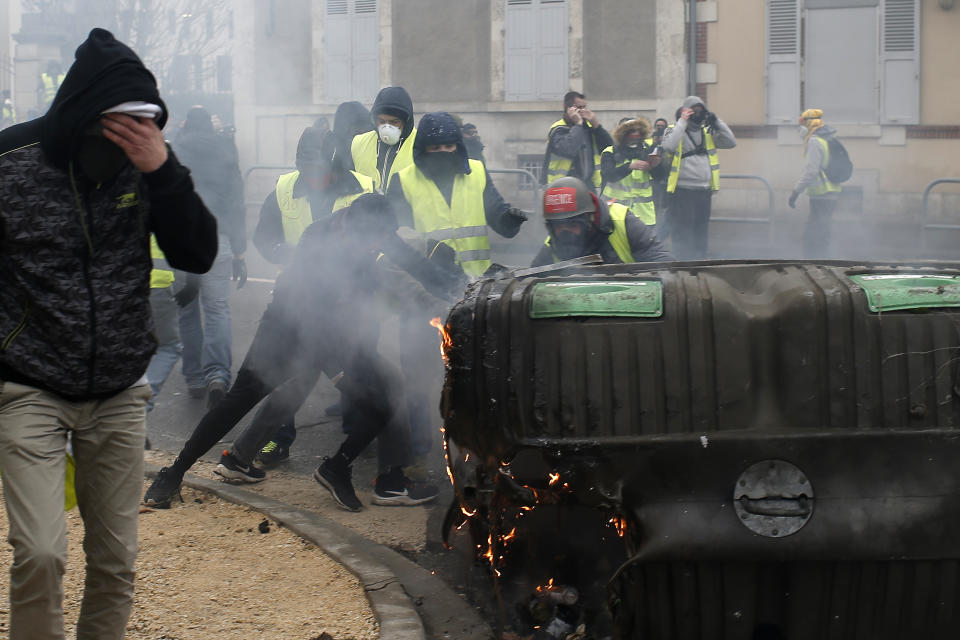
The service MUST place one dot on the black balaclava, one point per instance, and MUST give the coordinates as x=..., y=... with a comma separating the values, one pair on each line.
x=439, y=127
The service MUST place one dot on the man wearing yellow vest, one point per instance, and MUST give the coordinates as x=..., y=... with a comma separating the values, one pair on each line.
x=694, y=176
x=575, y=142
x=50, y=81
x=388, y=150
x=823, y=194
x=580, y=224
x=449, y=200
x=321, y=186
x=626, y=168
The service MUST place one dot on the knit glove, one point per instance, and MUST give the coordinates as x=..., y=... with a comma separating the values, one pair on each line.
x=793, y=199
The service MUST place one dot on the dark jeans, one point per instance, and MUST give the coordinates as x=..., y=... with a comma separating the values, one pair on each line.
x=689, y=211
x=275, y=419
x=816, y=235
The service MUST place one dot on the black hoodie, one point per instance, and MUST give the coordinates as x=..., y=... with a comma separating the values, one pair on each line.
x=394, y=101
x=75, y=256
x=351, y=119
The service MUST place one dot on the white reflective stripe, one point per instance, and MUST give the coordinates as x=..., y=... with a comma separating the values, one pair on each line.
x=470, y=232
x=711, y=152
x=642, y=199
x=641, y=185
x=442, y=234
x=476, y=254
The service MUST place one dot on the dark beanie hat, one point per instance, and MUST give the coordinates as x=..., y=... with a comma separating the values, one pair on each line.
x=315, y=147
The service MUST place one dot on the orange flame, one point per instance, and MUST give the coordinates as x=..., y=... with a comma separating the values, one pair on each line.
x=545, y=587
x=554, y=478
x=445, y=340
x=619, y=524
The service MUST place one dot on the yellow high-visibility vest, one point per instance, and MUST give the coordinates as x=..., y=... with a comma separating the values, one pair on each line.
x=364, y=151
x=295, y=213
x=50, y=85
x=618, y=239
x=462, y=224
x=824, y=186
x=635, y=191
x=560, y=166
x=711, y=156
x=161, y=276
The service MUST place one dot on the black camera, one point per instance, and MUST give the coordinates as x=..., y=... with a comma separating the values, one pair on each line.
x=709, y=119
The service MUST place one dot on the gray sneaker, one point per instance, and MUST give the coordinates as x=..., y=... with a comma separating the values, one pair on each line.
x=232, y=470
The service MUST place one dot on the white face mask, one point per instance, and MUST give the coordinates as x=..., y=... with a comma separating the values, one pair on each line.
x=389, y=134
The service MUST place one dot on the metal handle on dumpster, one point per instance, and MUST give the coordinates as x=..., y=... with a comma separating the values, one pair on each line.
x=777, y=507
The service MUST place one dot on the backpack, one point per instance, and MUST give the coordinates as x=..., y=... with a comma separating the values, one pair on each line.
x=839, y=168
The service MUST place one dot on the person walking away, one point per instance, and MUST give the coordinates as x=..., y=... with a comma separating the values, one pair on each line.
x=626, y=169
x=205, y=324
x=449, y=200
x=388, y=150
x=574, y=143
x=323, y=317
x=691, y=146
x=581, y=224
x=83, y=187
x=822, y=193
x=50, y=81
x=350, y=120
x=9, y=114
x=320, y=186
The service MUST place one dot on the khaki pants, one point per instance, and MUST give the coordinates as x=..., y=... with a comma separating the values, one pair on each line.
x=108, y=440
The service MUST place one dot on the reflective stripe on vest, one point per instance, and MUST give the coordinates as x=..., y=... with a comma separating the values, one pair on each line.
x=364, y=151
x=618, y=239
x=635, y=191
x=559, y=166
x=823, y=186
x=296, y=214
x=462, y=225
x=711, y=156
x=161, y=276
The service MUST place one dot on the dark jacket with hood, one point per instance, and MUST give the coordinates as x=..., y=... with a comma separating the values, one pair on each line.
x=577, y=143
x=213, y=166
x=644, y=244
x=75, y=255
x=268, y=237
x=350, y=120
x=441, y=128
x=394, y=101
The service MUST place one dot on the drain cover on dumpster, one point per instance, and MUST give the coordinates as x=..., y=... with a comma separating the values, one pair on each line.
x=639, y=298
x=890, y=292
x=773, y=498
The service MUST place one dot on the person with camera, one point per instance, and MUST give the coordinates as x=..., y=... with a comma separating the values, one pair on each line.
x=692, y=146
x=626, y=169
x=574, y=143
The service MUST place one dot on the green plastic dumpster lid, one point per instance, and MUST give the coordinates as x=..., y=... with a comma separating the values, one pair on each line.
x=889, y=292
x=639, y=298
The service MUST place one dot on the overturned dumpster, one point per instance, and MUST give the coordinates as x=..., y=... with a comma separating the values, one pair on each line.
x=735, y=450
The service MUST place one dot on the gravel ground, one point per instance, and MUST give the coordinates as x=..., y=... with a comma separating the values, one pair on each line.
x=205, y=571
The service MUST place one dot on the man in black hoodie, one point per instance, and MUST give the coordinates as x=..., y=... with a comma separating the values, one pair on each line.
x=83, y=187
x=389, y=149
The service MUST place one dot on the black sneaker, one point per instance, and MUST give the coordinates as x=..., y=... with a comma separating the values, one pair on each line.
x=393, y=489
x=339, y=485
x=231, y=470
x=165, y=486
x=215, y=392
x=271, y=455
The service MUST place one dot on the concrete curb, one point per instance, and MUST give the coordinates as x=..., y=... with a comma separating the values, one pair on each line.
x=392, y=605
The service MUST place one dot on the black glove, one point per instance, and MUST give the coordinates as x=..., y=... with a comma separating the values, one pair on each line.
x=709, y=119
x=189, y=292
x=518, y=214
x=793, y=199
x=240, y=272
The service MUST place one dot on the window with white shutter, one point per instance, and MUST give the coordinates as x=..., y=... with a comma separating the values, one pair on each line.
x=859, y=62
x=351, y=50
x=899, y=64
x=783, y=61
x=536, y=62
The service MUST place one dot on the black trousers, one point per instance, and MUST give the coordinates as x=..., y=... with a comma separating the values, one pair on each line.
x=816, y=235
x=689, y=211
x=369, y=386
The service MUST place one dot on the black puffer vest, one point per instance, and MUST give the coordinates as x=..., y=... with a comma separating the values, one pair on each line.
x=74, y=278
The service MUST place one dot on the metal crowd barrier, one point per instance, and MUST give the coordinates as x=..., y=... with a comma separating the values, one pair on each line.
x=748, y=176
x=923, y=211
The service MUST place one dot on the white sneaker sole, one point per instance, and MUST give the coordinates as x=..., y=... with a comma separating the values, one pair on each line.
x=399, y=500
x=229, y=475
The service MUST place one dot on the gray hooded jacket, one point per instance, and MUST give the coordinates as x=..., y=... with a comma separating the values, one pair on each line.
x=695, y=169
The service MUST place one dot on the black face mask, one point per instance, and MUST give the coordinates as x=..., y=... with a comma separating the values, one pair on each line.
x=99, y=159
x=697, y=117
x=569, y=245
x=439, y=164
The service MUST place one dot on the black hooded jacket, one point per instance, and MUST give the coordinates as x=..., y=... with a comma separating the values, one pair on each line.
x=74, y=255
x=394, y=101
x=351, y=119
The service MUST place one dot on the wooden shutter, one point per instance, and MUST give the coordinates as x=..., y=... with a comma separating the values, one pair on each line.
x=366, y=51
x=783, y=61
x=336, y=52
x=899, y=64
x=520, y=64
x=553, y=72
